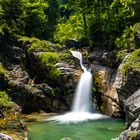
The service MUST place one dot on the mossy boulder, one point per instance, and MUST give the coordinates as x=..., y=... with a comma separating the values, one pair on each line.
x=133, y=63
x=130, y=72
x=49, y=59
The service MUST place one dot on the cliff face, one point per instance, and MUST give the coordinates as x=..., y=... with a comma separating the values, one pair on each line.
x=122, y=84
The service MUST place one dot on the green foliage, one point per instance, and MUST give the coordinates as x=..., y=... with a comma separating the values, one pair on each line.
x=35, y=18
x=58, y=46
x=132, y=63
x=49, y=59
x=130, y=38
x=4, y=101
x=30, y=18
x=3, y=71
x=73, y=28
x=126, y=41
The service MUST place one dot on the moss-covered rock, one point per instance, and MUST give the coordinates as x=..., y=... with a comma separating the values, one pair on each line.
x=132, y=63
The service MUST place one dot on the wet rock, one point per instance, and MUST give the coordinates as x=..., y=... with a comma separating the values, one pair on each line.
x=5, y=137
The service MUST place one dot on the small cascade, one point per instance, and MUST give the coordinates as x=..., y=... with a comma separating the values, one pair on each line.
x=78, y=55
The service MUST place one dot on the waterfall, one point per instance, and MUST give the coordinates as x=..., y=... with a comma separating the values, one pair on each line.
x=82, y=98
x=82, y=103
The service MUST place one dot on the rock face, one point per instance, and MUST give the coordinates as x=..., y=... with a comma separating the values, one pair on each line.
x=104, y=81
x=5, y=137
x=132, y=133
x=104, y=74
x=132, y=107
x=41, y=96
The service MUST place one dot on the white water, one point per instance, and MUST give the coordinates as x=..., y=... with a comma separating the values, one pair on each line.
x=78, y=55
x=82, y=103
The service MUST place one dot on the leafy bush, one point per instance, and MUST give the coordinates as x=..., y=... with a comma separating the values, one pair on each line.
x=73, y=28
x=130, y=38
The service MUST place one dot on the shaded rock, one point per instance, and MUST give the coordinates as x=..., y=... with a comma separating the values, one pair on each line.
x=132, y=107
x=5, y=137
x=104, y=58
x=72, y=43
x=19, y=75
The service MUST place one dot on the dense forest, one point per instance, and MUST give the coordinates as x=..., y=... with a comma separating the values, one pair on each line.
x=37, y=34
x=113, y=24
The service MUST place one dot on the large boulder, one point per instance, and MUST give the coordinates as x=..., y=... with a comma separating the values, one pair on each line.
x=132, y=107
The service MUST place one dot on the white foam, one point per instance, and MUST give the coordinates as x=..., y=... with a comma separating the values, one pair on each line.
x=77, y=117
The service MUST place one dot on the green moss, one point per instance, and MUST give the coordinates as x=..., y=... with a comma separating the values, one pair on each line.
x=58, y=46
x=3, y=71
x=133, y=62
x=40, y=46
x=37, y=44
x=4, y=100
x=49, y=59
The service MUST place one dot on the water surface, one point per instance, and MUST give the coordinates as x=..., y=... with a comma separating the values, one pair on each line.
x=90, y=130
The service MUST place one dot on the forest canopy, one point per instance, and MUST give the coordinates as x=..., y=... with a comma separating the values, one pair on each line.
x=111, y=24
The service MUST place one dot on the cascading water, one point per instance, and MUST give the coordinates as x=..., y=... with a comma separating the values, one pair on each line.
x=82, y=98
x=82, y=103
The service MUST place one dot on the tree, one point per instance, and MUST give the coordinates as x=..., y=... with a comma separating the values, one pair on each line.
x=53, y=15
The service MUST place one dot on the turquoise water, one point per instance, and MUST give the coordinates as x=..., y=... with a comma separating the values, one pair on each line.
x=91, y=130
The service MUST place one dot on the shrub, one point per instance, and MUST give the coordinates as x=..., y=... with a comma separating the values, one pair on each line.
x=130, y=38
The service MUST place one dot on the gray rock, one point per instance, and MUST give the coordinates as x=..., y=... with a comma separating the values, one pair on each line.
x=5, y=137
x=132, y=107
x=72, y=43
x=133, y=132
x=65, y=68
